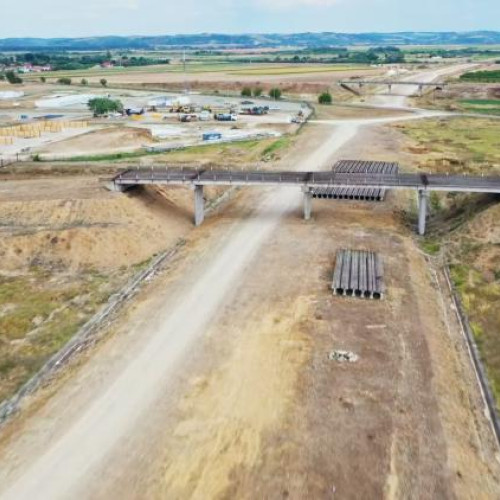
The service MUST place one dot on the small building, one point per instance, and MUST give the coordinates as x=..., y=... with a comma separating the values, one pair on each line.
x=25, y=68
x=212, y=136
x=107, y=65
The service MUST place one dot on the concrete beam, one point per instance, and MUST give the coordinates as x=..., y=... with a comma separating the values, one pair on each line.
x=307, y=204
x=199, y=205
x=423, y=200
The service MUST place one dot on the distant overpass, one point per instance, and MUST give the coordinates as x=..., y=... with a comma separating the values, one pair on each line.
x=307, y=181
x=348, y=84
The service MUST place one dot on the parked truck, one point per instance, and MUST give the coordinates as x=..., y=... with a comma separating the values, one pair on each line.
x=226, y=117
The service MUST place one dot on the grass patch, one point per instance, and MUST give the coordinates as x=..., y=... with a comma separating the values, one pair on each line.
x=272, y=149
x=110, y=156
x=481, y=106
x=236, y=154
x=431, y=246
x=481, y=299
x=469, y=145
x=39, y=313
x=472, y=145
x=251, y=150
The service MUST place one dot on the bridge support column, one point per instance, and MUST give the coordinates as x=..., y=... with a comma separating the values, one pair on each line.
x=117, y=188
x=199, y=206
x=307, y=204
x=390, y=88
x=420, y=90
x=423, y=200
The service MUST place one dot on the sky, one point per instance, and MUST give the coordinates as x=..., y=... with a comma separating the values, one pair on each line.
x=76, y=18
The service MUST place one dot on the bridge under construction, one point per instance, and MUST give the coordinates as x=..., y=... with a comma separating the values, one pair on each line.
x=357, y=176
x=351, y=84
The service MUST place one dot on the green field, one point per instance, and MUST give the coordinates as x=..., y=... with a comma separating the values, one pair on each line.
x=483, y=106
x=492, y=76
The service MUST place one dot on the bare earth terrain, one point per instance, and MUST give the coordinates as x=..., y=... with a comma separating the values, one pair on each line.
x=217, y=383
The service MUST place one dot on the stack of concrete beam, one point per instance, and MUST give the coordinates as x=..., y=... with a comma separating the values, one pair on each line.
x=358, y=273
x=356, y=168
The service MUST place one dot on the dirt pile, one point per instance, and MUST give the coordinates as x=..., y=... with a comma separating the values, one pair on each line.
x=102, y=141
x=108, y=231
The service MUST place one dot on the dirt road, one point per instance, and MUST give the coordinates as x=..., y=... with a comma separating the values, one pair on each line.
x=216, y=385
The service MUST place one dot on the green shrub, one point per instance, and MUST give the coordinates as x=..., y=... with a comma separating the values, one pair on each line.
x=103, y=105
x=325, y=98
x=13, y=78
x=275, y=93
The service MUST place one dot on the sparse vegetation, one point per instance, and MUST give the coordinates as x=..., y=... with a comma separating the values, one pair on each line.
x=462, y=227
x=64, y=80
x=103, y=82
x=257, y=92
x=273, y=148
x=39, y=313
x=467, y=145
x=431, y=246
x=84, y=81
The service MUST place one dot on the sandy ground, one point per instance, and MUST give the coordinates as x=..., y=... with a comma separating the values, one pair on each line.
x=44, y=221
x=225, y=77
x=217, y=382
x=106, y=140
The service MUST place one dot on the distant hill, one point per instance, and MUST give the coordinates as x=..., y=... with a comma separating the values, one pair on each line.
x=251, y=40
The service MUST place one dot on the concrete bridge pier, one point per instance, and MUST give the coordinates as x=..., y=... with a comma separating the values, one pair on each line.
x=117, y=188
x=307, y=203
x=199, y=206
x=390, y=88
x=420, y=90
x=423, y=201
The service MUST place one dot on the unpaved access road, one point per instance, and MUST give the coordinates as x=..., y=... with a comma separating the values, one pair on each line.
x=217, y=382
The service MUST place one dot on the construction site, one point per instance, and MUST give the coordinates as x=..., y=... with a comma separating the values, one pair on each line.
x=210, y=296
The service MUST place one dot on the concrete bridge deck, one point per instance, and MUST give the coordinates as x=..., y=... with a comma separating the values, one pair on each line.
x=392, y=82
x=308, y=182
x=428, y=182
